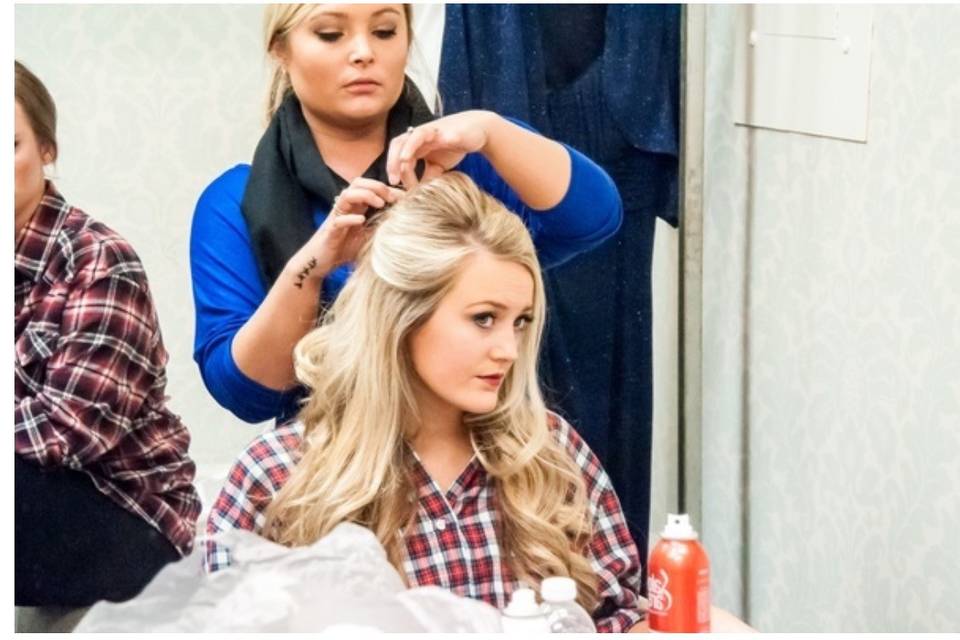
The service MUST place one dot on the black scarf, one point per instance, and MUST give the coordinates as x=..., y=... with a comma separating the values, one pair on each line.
x=288, y=175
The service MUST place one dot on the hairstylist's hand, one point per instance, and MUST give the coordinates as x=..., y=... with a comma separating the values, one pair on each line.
x=441, y=144
x=342, y=234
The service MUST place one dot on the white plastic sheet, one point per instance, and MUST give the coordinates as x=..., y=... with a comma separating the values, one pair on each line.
x=342, y=582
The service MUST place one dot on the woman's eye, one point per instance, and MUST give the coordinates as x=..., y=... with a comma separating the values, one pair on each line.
x=522, y=322
x=385, y=34
x=329, y=36
x=483, y=320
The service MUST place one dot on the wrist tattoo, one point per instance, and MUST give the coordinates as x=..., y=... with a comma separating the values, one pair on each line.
x=305, y=272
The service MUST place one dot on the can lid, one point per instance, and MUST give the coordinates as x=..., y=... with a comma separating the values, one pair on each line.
x=678, y=527
x=558, y=589
x=523, y=604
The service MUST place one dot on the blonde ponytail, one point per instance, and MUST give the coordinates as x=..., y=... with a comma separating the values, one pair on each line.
x=279, y=88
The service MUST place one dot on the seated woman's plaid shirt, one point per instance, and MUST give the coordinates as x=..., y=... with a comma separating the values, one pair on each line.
x=89, y=371
x=453, y=543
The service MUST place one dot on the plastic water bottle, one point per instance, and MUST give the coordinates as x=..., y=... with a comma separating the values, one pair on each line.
x=563, y=613
x=523, y=616
x=678, y=580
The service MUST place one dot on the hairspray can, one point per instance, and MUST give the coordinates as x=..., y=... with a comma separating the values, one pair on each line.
x=678, y=580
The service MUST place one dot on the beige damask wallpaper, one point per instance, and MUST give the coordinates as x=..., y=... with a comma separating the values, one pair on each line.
x=831, y=362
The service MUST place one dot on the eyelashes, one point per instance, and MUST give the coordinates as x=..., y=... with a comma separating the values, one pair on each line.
x=523, y=322
x=486, y=319
x=483, y=320
x=333, y=36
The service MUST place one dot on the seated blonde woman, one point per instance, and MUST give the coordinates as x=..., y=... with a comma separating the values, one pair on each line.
x=425, y=421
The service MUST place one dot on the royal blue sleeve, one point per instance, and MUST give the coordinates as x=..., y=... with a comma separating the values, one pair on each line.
x=590, y=212
x=227, y=290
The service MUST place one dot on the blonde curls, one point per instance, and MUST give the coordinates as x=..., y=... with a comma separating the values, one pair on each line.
x=361, y=410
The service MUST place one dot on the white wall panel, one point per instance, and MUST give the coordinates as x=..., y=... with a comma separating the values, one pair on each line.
x=831, y=340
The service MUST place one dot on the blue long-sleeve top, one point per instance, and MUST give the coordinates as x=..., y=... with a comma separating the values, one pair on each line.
x=227, y=288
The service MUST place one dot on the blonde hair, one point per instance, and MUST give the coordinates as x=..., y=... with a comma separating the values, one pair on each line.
x=278, y=21
x=356, y=463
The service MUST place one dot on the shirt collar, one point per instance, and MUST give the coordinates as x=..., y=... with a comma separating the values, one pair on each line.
x=39, y=237
x=426, y=485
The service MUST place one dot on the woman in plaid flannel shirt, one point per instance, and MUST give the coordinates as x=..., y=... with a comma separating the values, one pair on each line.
x=426, y=424
x=103, y=484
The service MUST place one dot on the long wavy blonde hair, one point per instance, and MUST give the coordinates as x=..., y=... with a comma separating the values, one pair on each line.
x=355, y=463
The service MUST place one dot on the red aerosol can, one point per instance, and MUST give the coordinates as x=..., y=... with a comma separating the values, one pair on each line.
x=678, y=580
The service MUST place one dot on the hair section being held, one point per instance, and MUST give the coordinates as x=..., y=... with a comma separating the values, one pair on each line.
x=361, y=409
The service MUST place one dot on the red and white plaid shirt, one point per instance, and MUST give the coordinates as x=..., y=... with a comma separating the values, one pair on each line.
x=89, y=369
x=454, y=542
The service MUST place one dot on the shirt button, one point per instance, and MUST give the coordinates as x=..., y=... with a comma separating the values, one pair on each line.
x=440, y=524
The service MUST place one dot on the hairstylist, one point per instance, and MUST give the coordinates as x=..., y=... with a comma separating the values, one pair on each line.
x=273, y=243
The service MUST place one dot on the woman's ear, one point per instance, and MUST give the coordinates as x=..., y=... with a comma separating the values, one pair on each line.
x=278, y=51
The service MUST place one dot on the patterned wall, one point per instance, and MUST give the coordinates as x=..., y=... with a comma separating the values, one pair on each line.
x=831, y=363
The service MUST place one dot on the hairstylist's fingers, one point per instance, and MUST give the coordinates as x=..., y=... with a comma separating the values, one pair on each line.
x=406, y=149
x=425, y=150
x=443, y=140
x=386, y=192
x=408, y=174
x=393, y=158
x=418, y=142
x=432, y=170
x=345, y=221
x=357, y=200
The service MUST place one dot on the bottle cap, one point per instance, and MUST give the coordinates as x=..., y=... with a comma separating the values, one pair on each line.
x=558, y=589
x=523, y=604
x=678, y=528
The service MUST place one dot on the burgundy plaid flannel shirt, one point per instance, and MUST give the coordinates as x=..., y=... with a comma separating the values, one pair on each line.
x=89, y=369
x=453, y=543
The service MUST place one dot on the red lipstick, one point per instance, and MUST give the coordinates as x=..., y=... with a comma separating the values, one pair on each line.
x=493, y=380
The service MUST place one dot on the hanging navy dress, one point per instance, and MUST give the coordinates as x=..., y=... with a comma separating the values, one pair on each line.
x=605, y=80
